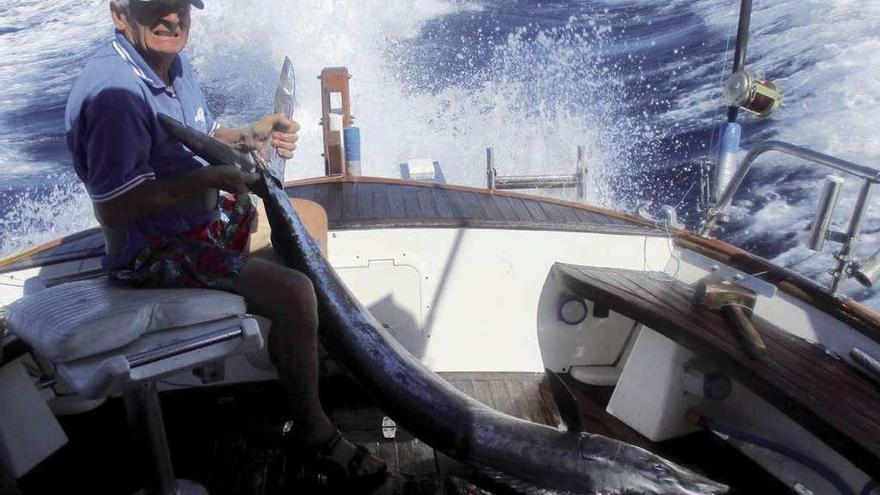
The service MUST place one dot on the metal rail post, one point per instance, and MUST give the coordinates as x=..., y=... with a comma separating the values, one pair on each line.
x=852, y=236
x=581, y=172
x=490, y=169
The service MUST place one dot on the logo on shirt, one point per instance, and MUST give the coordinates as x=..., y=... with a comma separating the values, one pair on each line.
x=200, y=115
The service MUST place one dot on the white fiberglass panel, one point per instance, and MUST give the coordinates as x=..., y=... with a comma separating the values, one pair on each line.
x=480, y=288
x=396, y=302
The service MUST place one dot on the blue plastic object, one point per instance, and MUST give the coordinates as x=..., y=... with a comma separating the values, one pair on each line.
x=352, y=139
x=731, y=135
x=728, y=147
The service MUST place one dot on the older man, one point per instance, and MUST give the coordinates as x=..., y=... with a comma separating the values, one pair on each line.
x=159, y=209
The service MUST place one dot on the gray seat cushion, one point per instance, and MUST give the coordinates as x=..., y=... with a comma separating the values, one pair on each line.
x=161, y=354
x=79, y=319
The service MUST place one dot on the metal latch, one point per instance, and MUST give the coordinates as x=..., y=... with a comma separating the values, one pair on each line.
x=389, y=428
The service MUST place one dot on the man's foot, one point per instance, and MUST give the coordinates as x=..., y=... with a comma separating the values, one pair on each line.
x=347, y=464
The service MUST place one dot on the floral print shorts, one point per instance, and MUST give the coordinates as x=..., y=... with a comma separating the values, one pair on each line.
x=210, y=257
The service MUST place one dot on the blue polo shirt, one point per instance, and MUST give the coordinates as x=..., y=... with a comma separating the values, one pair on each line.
x=118, y=143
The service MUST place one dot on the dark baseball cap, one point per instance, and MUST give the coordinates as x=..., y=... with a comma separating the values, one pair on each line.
x=195, y=3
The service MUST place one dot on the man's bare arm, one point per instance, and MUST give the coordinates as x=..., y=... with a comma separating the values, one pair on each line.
x=284, y=134
x=155, y=195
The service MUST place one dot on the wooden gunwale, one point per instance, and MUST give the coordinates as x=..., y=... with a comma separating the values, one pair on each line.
x=373, y=203
x=29, y=257
x=843, y=308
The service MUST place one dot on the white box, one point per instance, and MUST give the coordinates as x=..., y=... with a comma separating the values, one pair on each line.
x=29, y=431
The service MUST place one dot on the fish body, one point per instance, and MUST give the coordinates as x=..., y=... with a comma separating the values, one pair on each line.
x=534, y=455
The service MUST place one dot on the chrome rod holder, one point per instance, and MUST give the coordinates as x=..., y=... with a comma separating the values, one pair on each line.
x=490, y=169
x=827, y=204
x=847, y=265
x=581, y=173
x=867, y=272
x=844, y=258
x=725, y=198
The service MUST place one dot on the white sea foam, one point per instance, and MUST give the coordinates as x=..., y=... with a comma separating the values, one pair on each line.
x=42, y=214
x=534, y=99
x=453, y=125
x=42, y=47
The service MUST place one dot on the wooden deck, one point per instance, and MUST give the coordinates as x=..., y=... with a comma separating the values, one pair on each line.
x=365, y=203
x=416, y=467
x=230, y=440
x=823, y=393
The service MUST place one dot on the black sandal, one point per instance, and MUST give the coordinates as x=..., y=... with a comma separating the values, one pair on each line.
x=348, y=476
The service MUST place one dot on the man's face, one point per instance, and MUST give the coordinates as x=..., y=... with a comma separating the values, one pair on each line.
x=158, y=29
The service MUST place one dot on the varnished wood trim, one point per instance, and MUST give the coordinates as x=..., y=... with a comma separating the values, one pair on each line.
x=334, y=80
x=467, y=223
x=845, y=309
x=450, y=187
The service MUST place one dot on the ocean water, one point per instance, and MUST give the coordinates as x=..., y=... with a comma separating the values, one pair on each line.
x=636, y=82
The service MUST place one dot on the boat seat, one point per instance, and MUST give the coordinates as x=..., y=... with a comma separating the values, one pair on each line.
x=105, y=339
x=312, y=214
x=785, y=376
x=101, y=337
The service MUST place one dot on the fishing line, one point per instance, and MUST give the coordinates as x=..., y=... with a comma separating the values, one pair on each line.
x=801, y=261
x=662, y=276
x=685, y=195
x=788, y=267
x=674, y=253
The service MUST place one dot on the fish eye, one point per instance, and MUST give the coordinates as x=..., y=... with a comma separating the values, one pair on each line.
x=659, y=467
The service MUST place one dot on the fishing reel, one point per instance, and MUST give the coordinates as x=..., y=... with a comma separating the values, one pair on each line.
x=756, y=96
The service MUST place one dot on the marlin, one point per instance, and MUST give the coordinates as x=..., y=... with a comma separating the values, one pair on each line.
x=285, y=101
x=518, y=454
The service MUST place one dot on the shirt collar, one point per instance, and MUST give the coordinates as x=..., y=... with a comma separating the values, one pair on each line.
x=139, y=66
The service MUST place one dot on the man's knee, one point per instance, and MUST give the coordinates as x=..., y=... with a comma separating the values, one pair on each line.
x=298, y=289
x=276, y=291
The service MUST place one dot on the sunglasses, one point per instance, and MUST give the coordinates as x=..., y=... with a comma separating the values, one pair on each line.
x=158, y=9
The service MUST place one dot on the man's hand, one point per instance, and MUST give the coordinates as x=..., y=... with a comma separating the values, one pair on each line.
x=283, y=132
x=226, y=178
x=280, y=131
x=154, y=195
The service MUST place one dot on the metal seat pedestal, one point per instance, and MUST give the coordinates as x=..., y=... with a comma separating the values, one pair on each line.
x=145, y=417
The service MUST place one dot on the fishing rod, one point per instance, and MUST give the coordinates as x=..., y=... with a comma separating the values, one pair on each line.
x=742, y=44
x=742, y=91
